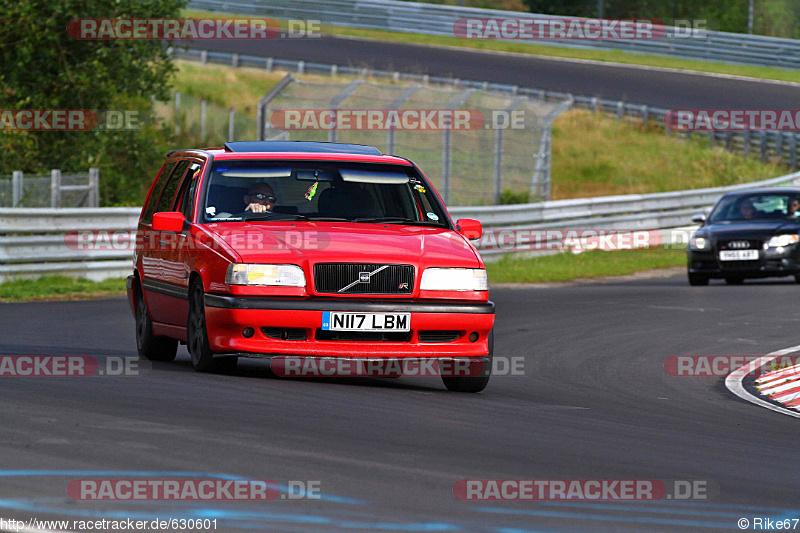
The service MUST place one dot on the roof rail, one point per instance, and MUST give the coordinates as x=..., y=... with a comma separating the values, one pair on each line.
x=301, y=146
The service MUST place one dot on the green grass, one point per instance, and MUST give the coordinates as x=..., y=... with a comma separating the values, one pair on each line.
x=567, y=266
x=597, y=155
x=615, y=56
x=59, y=288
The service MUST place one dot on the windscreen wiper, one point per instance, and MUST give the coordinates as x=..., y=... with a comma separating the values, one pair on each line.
x=277, y=216
x=397, y=220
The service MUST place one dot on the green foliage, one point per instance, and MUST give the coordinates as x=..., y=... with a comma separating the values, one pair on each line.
x=45, y=68
x=513, y=197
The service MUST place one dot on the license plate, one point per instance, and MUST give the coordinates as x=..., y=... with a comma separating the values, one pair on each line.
x=333, y=321
x=738, y=255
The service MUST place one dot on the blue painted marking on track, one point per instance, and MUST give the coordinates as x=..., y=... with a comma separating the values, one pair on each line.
x=607, y=518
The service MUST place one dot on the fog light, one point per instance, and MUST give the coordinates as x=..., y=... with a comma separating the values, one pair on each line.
x=248, y=332
x=473, y=337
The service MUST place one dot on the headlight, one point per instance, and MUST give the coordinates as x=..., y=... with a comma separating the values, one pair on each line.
x=782, y=240
x=698, y=243
x=454, y=279
x=284, y=275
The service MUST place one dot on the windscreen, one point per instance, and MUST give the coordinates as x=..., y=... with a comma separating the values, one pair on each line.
x=245, y=190
x=757, y=207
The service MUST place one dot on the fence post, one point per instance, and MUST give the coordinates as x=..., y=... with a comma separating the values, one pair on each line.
x=94, y=187
x=301, y=67
x=231, y=118
x=269, y=64
x=762, y=135
x=16, y=188
x=620, y=110
x=235, y=60
x=793, y=150
x=55, y=188
x=646, y=116
x=746, y=141
x=203, y=57
x=498, y=164
x=177, y=112
x=202, y=120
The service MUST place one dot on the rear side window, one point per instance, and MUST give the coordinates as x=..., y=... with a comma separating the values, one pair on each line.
x=168, y=195
x=151, y=203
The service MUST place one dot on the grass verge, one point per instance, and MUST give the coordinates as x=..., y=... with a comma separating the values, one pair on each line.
x=593, y=264
x=59, y=288
x=614, y=56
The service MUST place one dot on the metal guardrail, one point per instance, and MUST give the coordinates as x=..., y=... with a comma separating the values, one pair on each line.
x=36, y=242
x=767, y=144
x=432, y=19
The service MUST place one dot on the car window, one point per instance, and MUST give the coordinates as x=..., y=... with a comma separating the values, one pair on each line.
x=360, y=192
x=753, y=207
x=159, y=186
x=168, y=194
x=183, y=201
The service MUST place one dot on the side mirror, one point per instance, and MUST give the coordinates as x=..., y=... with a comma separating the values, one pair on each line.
x=169, y=221
x=469, y=228
x=699, y=218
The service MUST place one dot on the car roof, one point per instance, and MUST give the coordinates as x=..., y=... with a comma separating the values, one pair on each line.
x=301, y=150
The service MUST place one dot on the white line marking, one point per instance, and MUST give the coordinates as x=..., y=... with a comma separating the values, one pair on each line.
x=734, y=380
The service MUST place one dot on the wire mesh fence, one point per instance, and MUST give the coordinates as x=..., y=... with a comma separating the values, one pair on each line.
x=198, y=121
x=503, y=146
x=50, y=190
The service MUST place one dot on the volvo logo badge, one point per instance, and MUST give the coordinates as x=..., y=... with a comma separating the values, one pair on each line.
x=363, y=277
x=738, y=245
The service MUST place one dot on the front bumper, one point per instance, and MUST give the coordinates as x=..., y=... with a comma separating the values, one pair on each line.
x=770, y=263
x=228, y=316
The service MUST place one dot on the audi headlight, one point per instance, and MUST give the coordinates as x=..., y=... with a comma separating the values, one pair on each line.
x=699, y=243
x=284, y=275
x=454, y=279
x=782, y=240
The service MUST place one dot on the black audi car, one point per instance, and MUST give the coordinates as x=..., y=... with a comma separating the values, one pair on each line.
x=748, y=234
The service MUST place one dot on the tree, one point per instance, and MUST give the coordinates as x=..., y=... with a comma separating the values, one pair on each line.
x=45, y=68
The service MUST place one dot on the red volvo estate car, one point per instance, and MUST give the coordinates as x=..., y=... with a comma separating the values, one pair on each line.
x=319, y=251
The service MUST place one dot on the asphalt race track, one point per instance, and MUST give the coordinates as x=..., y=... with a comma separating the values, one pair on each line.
x=668, y=89
x=594, y=403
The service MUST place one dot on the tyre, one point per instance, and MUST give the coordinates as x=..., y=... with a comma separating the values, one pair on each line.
x=196, y=334
x=149, y=346
x=697, y=279
x=734, y=280
x=472, y=384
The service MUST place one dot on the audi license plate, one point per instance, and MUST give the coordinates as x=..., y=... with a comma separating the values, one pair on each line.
x=738, y=255
x=333, y=321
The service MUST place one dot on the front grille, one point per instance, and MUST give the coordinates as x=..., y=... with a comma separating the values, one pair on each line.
x=352, y=278
x=739, y=265
x=373, y=336
x=284, y=334
x=433, y=335
x=752, y=244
